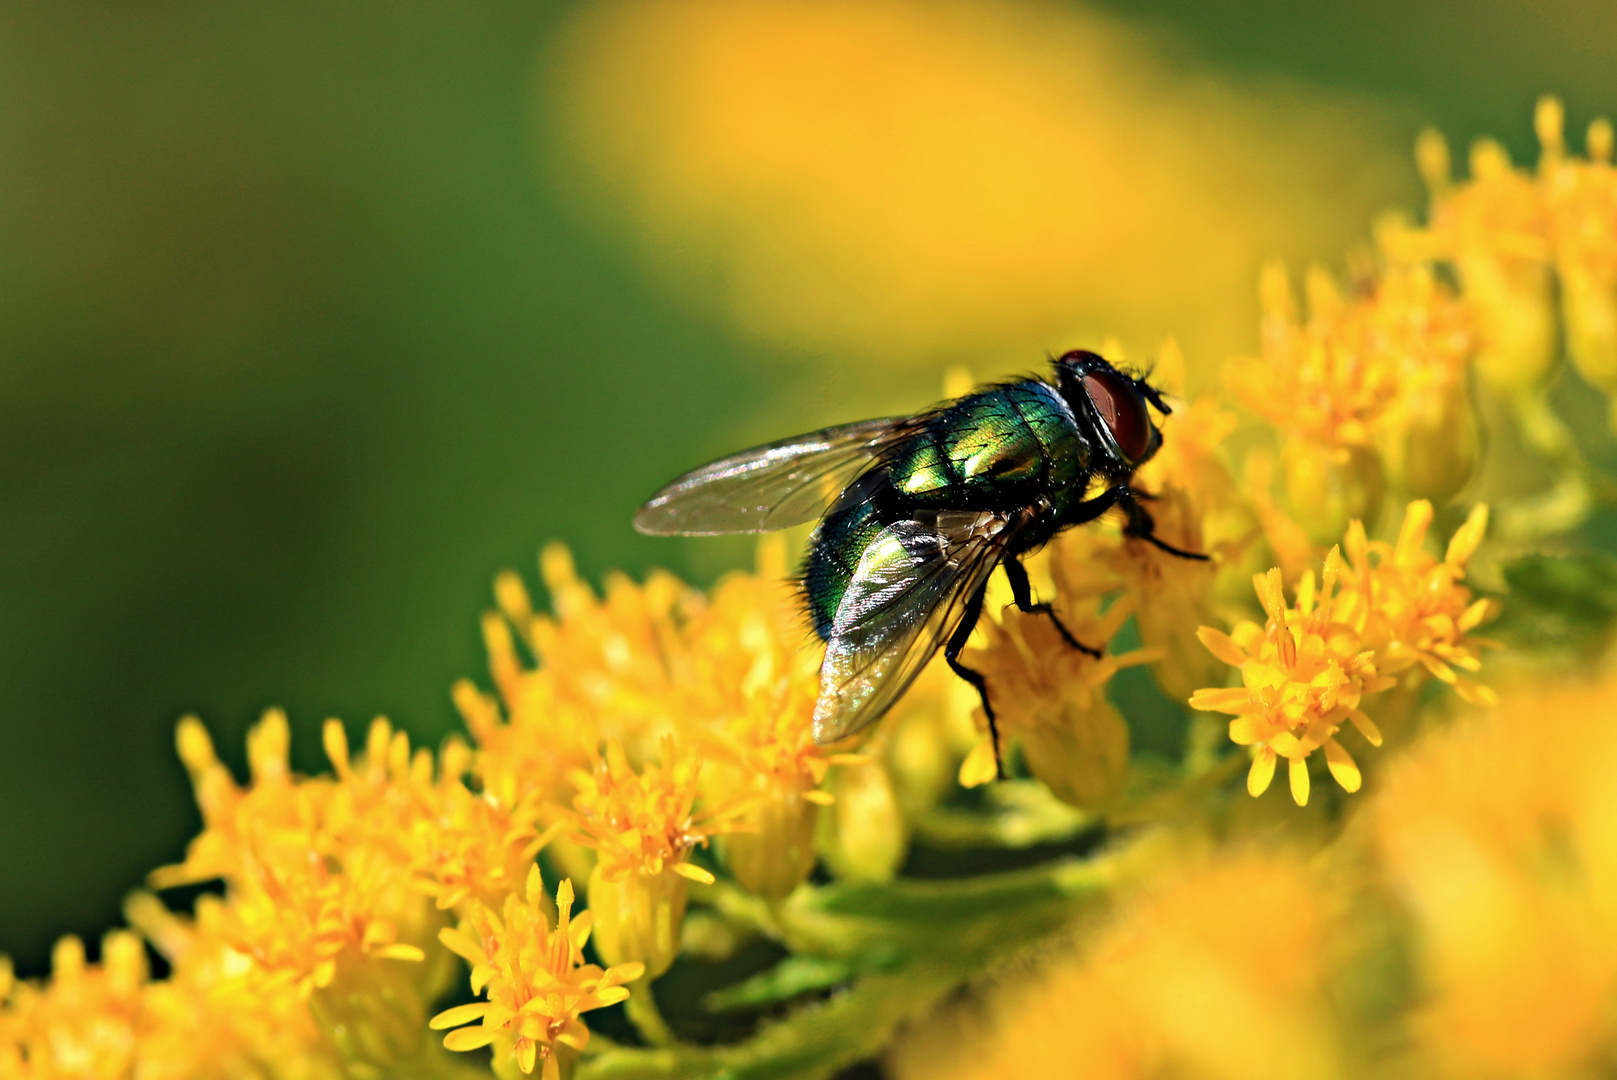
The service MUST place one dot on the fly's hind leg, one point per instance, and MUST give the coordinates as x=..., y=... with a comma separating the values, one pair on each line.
x=951, y=654
x=1022, y=593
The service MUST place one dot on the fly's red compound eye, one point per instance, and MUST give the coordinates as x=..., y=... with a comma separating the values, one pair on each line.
x=1122, y=409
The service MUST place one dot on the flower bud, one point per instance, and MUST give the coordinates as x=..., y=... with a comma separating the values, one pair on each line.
x=1493, y=229
x=638, y=917
x=1430, y=439
x=1051, y=699
x=863, y=835
x=1081, y=752
x=1582, y=197
x=1326, y=487
x=772, y=851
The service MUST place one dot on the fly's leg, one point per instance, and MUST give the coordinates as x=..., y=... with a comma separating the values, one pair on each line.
x=1090, y=509
x=1022, y=593
x=951, y=653
x=1143, y=527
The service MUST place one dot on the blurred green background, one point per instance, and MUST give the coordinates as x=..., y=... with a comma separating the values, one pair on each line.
x=302, y=338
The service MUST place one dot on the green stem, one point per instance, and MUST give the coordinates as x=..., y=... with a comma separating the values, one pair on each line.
x=642, y=1010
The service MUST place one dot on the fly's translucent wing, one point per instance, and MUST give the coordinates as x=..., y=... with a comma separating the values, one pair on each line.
x=769, y=487
x=907, y=596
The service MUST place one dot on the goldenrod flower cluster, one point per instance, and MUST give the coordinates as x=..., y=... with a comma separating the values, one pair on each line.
x=638, y=793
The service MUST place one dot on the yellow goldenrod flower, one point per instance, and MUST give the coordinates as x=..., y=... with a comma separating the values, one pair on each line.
x=1197, y=506
x=1303, y=674
x=643, y=828
x=751, y=689
x=109, y=1021
x=275, y=804
x=1581, y=195
x=1290, y=545
x=204, y=1021
x=1412, y=609
x=1323, y=390
x=535, y=981
x=1219, y=972
x=1050, y=698
x=922, y=745
x=726, y=671
x=1499, y=837
x=298, y=918
x=458, y=844
x=1494, y=230
x=88, y=1021
x=320, y=891
x=1428, y=436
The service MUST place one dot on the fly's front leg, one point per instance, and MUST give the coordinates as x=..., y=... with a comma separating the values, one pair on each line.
x=1022, y=593
x=1142, y=526
x=1083, y=512
x=951, y=654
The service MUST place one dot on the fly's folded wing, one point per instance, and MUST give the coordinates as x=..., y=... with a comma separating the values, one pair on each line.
x=908, y=595
x=769, y=487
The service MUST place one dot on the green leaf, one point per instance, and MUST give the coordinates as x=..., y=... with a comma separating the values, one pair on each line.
x=1559, y=602
x=790, y=978
x=1018, y=814
x=872, y=932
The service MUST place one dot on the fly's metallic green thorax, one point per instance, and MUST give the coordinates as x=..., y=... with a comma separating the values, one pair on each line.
x=1020, y=434
x=915, y=513
x=998, y=450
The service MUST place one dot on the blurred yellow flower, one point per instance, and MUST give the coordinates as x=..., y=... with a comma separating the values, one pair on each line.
x=863, y=835
x=1304, y=673
x=233, y=819
x=1218, y=971
x=535, y=979
x=1581, y=196
x=321, y=899
x=1323, y=391
x=1428, y=435
x=88, y=1022
x=973, y=179
x=1493, y=229
x=1499, y=835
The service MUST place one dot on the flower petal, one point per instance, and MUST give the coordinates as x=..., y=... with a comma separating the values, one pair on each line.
x=1231, y=700
x=1220, y=645
x=469, y=1038
x=1262, y=771
x=694, y=872
x=979, y=767
x=1367, y=727
x=460, y=1014
x=1299, y=780
x=1342, y=766
x=400, y=952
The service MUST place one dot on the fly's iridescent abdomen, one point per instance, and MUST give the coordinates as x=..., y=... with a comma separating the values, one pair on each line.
x=994, y=450
x=858, y=516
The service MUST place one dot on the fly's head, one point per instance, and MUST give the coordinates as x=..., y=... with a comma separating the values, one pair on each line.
x=1113, y=409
